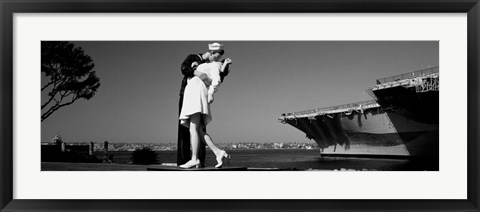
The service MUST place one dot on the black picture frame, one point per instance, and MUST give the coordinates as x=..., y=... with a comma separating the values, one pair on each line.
x=9, y=7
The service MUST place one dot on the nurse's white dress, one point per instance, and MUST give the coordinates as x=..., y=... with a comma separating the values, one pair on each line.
x=195, y=97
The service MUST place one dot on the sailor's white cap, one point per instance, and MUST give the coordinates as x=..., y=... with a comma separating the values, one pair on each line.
x=215, y=46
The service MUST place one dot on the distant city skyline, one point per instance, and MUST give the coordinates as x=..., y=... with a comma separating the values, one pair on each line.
x=137, y=101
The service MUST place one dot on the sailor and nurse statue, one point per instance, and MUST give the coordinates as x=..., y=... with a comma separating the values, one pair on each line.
x=203, y=73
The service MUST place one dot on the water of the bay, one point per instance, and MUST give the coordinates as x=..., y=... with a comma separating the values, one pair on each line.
x=299, y=159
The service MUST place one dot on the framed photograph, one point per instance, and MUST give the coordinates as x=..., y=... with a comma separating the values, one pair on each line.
x=310, y=105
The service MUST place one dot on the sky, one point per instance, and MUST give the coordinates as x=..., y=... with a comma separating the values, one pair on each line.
x=137, y=101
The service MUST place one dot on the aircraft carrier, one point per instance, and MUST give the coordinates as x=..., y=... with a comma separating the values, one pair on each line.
x=401, y=120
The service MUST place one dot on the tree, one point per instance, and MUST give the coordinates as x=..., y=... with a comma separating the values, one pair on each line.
x=70, y=73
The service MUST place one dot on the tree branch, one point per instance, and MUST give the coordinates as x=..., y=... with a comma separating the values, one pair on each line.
x=48, y=113
x=68, y=103
x=46, y=86
x=52, y=96
x=48, y=102
x=74, y=97
x=57, y=105
x=55, y=108
x=62, y=96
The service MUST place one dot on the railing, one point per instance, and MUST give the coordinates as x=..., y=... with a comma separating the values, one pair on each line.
x=332, y=108
x=419, y=73
x=430, y=84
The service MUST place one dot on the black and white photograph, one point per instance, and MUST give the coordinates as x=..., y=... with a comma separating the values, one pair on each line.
x=225, y=105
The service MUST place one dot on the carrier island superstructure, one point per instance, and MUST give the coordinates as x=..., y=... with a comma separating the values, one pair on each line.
x=401, y=120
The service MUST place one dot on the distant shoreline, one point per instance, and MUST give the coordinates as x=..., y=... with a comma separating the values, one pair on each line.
x=163, y=150
x=112, y=147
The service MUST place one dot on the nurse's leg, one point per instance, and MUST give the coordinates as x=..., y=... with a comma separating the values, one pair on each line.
x=194, y=134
